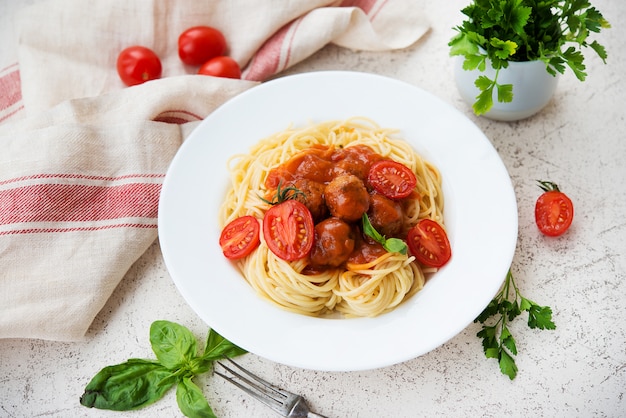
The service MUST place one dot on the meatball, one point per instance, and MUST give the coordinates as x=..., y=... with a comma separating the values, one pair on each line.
x=386, y=215
x=356, y=160
x=334, y=242
x=347, y=197
x=312, y=197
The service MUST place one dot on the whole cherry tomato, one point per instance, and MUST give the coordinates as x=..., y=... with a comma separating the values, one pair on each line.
x=240, y=237
x=199, y=44
x=288, y=230
x=138, y=64
x=221, y=67
x=429, y=243
x=554, y=211
x=392, y=179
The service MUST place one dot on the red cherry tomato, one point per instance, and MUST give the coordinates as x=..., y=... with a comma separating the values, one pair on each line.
x=240, y=237
x=554, y=211
x=221, y=67
x=199, y=44
x=392, y=179
x=138, y=64
x=288, y=230
x=428, y=242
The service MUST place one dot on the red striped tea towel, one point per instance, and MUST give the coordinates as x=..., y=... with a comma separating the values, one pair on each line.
x=81, y=170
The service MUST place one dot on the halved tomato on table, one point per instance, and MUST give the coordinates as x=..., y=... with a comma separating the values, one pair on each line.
x=554, y=211
x=392, y=179
x=429, y=243
x=240, y=237
x=288, y=230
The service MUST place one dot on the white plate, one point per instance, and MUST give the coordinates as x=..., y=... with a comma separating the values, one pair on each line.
x=480, y=215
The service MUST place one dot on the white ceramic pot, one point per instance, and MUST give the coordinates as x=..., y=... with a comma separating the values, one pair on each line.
x=533, y=87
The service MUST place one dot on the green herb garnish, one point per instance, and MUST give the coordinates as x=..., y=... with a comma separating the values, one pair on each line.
x=392, y=245
x=552, y=31
x=497, y=339
x=284, y=194
x=138, y=383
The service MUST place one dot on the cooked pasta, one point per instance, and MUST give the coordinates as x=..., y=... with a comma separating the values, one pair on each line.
x=367, y=289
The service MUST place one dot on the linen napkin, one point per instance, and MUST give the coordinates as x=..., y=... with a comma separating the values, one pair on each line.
x=82, y=158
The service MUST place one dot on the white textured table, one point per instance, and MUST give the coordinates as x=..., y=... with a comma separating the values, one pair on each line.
x=577, y=370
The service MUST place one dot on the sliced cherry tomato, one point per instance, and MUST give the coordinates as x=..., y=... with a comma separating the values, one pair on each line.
x=288, y=230
x=392, y=179
x=240, y=237
x=428, y=242
x=221, y=67
x=554, y=211
x=199, y=44
x=138, y=64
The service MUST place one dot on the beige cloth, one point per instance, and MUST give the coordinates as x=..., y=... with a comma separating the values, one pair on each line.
x=81, y=171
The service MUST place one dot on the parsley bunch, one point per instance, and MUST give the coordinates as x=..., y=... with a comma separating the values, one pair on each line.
x=499, y=31
x=497, y=340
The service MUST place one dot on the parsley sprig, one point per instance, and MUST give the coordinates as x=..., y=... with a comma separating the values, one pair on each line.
x=552, y=31
x=508, y=304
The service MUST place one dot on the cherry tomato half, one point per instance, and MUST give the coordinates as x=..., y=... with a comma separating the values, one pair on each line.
x=288, y=230
x=554, y=211
x=240, y=237
x=428, y=242
x=392, y=179
x=221, y=67
x=138, y=64
x=199, y=44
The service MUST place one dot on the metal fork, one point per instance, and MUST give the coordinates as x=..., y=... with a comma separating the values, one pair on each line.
x=287, y=404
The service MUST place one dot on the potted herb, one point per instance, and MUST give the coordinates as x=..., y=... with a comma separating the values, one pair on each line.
x=499, y=37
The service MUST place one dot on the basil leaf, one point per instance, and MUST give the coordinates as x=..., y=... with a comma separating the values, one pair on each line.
x=191, y=401
x=369, y=230
x=395, y=245
x=392, y=245
x=130, y=385
x=173, y=344
x=217, y=347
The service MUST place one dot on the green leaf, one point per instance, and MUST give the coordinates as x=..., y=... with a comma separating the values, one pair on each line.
x=484, y=83
x=525, y=304
x=491, y=309
x=392, y=245
x=191, y=400
x=600, y=50
x=473, y=62
x=484, y=100
x=217, y=347
x=490, y=341
x=507, y=365
x=540, y=317
x=173, y=344
x=513, y=311
x=518, y=17
x=462, y=44
x=508, y=341
x=395, y=245
x=503, y=49
x=505, y=93
x=130, y=385
x=492, y=352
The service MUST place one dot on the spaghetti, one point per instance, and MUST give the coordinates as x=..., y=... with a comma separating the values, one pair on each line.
x=358, y=289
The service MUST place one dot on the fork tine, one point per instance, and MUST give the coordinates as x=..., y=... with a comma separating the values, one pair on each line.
x=263, y=391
